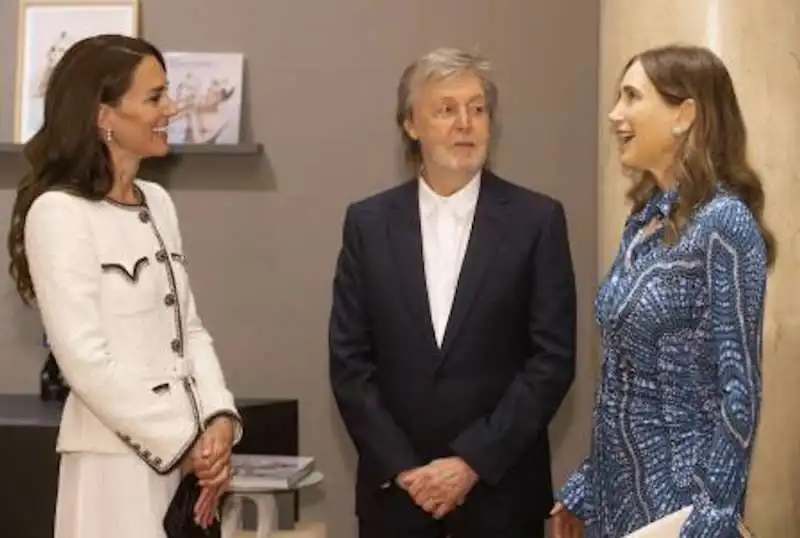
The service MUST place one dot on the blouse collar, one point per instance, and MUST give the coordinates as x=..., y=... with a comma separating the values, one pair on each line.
x=658, y=205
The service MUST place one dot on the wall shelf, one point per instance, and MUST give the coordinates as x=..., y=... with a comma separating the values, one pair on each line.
x=184, y=149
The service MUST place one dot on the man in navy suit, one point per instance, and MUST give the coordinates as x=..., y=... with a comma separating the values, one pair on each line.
x=452, y=331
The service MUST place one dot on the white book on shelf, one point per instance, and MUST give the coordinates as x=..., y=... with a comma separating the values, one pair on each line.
x=207, y=90
x=269, y=472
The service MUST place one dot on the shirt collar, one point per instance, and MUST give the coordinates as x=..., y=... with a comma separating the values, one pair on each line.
x=461, y=202
x=663, y=201
x=659, y=204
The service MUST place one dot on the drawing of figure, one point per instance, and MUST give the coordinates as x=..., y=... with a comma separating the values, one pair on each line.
x=211, y=121
x=199, y=116
x=52, y=56
x=216, y=93
x=185, y=96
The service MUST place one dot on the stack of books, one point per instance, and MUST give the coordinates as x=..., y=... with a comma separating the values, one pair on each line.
x=268, y=472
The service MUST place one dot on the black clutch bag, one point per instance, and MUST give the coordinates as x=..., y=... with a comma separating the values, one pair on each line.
x=52, y=386
x=179, y=519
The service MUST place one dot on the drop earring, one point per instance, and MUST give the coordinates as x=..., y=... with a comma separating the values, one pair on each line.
x=109, y=135
x=677, y=131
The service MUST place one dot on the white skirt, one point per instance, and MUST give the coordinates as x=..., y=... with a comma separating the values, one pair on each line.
x=105, y=495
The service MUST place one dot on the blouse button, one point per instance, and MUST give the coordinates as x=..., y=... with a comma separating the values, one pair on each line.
x=176, y=345
x=169, y=299
x=161, y=256
x=144, y=216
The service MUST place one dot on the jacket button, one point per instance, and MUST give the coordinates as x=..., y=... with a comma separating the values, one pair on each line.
x=169, y=299
x=144, y=216
x=176, y=345
x=161, y=256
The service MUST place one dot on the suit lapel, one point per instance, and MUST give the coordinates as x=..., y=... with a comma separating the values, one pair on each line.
x=486, y=235
x=405, y=237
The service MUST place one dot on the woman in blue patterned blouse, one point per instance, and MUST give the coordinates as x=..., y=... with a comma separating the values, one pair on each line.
x=681, y=311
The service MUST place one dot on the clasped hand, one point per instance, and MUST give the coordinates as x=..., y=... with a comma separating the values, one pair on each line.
x=563, y=524
x=210, y=461
x=439, y=486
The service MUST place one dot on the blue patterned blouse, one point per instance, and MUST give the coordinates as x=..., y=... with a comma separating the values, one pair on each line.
x=678, y=401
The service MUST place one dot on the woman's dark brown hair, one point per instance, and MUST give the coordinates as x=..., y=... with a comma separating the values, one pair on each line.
x=714, y=150
x=68, y=151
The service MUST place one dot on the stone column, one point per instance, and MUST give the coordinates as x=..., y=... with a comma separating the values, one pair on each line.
x=760, y=44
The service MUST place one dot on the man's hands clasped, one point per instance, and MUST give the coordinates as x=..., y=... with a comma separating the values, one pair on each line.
x=440, y=486
x=210, y=461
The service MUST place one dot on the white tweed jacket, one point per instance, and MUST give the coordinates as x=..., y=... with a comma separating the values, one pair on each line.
x=114, y=296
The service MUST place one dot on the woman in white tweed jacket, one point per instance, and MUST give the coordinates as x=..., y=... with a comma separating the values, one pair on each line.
x=100, y=253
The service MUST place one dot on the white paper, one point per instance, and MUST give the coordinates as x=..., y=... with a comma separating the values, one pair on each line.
x=668, y=526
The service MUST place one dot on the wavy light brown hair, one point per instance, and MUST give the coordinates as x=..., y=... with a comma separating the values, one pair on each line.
x=714, y=150
x=67, y=152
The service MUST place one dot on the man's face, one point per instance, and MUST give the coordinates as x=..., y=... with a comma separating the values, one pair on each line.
x=450, y=120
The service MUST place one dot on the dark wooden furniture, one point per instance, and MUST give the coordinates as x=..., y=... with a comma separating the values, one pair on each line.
x=29, y=475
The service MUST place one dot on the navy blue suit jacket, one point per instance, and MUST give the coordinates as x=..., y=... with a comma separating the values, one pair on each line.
x=505, y=365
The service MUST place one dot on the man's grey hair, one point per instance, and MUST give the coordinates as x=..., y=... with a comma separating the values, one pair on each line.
x=435, y=65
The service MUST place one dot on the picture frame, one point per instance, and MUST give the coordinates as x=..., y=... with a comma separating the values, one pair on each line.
x=46, y=29
x=207, y=89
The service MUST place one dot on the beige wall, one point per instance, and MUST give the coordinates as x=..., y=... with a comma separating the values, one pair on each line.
x=262, y=236
x=760, y=47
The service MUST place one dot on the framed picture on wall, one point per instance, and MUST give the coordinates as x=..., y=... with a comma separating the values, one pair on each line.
x=207, y=88
x=47, y=28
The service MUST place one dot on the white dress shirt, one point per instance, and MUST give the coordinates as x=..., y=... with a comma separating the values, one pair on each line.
x=446, y=223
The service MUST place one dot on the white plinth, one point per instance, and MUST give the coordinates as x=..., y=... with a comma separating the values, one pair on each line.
x=266, y=507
